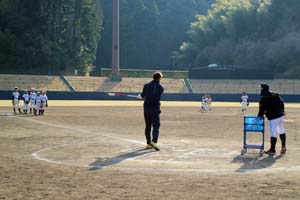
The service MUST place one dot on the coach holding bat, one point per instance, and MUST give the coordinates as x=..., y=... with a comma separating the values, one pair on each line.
x=151, y=94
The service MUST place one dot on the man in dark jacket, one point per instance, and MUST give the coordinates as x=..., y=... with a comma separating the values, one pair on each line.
x=272, y=105
x=151, y=94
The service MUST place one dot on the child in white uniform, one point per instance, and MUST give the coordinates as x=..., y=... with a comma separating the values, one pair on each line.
x=26, y=99
x=44, y=102
x=32, y=101
x=15, y=100
x=244, y=101
x=38, y=104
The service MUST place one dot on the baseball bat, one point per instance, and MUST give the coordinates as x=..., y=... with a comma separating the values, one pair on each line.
x=121, y=95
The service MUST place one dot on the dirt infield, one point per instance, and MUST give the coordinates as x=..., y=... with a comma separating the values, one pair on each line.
x=95, y=150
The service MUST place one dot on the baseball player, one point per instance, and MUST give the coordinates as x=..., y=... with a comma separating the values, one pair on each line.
x=151, y=94
x=38, y=104
x=26, y=99
x=272, y=105
x=204, y=103
x=209, y=101
x=244, y=101
x=32, y=101
x=44, y=102
x=15, y=100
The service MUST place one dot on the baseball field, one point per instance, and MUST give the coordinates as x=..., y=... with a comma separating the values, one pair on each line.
x=95, y=150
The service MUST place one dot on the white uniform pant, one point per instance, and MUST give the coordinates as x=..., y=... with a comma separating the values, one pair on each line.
x=276, y=126
x=16, y=104
x=204, y=105
x=208, y=106
x=43, y=106
x=25, y=106
x=244, y=105
x=38, y=107
x=32, y=104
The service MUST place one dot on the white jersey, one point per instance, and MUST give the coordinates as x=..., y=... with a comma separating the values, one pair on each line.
x=38, y=100
x=44, y=98
x=15, y=96
x=244, y=98
x=15, y=99
x=33, y=96
x=26, y=98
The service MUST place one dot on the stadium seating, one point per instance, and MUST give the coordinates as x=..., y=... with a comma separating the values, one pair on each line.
x=104, y=84
x=25, y=82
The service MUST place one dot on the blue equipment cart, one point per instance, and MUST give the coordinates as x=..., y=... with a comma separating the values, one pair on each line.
x=254, y=124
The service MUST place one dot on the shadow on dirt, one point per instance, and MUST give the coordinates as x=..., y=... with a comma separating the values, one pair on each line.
x=257, y=162
x=103, y=162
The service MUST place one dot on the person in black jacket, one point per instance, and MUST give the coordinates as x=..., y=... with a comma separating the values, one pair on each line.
x=151, y=94
x=272, y=105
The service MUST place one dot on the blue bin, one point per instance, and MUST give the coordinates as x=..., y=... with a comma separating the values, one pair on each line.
x=257, y=127
x=253, y=120
x=253, y=124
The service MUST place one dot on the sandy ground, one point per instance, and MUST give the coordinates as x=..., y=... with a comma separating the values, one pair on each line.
x=95, y=150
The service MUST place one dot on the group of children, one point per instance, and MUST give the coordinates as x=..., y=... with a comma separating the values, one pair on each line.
x=36, y=102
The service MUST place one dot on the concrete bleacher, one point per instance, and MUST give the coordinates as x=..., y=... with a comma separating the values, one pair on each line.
x=25, y=82
x=82, y=83
x=104, y=84
x=226, y=86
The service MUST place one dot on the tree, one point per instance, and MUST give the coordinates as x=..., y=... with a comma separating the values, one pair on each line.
x=258, y=34
x=149, y=31
x=46, y=36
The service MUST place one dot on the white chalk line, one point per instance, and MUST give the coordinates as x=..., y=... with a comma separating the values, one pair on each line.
x=215, y=171
x=83, y=131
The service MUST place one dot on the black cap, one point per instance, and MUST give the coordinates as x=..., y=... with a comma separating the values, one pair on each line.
x=264, y=87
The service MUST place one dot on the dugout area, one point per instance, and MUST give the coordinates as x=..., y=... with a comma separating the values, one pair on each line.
x=96, y=152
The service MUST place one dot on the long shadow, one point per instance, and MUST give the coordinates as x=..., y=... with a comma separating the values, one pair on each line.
x=255, y=163
x=103, y=162
x=107, y=85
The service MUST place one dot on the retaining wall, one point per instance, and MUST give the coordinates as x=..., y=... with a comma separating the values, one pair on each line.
x=64, y=95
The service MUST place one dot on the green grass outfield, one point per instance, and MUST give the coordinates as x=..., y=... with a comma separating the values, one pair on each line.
x=5, y=103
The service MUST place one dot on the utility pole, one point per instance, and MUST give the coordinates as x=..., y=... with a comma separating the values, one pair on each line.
x=115, y=75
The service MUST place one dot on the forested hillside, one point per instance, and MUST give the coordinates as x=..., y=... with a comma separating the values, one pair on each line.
x=149, y=31
x=48, y=36
x=54, y=36
x=261, y=34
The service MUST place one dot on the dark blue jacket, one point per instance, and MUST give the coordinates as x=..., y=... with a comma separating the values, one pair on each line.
x=272, y=105
x=152, y=92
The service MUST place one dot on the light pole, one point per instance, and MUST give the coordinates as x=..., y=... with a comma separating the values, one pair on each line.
x=115, y=75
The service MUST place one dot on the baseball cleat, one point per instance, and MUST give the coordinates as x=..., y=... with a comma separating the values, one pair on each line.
x=283, y=150
x=154, y=145
x=270, y=152
x=149, y=147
